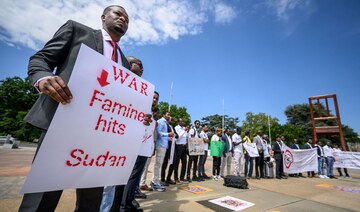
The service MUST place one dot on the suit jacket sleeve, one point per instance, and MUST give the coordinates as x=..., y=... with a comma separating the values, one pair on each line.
x=60, y=52
x=226, y=143
x=53, y=54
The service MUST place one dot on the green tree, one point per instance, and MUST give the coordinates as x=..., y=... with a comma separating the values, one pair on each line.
x=16, y=99
x=292, y=131
x=214, y=121
x=260, y=122
x=175, y=112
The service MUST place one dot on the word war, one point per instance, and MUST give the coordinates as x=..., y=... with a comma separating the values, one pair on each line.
x=124, y=78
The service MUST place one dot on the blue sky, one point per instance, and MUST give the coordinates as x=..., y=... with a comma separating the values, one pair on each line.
x=257, y=56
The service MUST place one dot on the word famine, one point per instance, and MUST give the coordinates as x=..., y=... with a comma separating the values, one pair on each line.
x=80, y=158
x=115, y=107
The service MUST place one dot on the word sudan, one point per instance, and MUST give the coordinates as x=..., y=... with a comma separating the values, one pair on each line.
x=80, y=158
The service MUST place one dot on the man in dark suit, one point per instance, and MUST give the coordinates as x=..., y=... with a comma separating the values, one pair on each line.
x=227, y=154
x=278, y=155
x=259, y=161
x=60, y=53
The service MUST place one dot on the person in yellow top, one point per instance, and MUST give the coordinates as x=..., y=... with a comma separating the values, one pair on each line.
x=248, y=160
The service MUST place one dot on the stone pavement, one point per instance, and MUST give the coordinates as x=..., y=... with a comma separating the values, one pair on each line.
x=293, y=194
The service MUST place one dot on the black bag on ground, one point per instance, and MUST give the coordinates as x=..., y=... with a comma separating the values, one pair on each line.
x=236, y=182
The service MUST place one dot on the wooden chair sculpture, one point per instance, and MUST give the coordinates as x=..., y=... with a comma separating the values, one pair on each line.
x=318, y=115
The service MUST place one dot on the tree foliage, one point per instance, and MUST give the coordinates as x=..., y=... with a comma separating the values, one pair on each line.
x=16, y=99
x=175, y=112
x=215, y=121
x=259, y=122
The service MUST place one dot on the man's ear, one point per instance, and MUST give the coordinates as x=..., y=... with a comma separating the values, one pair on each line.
x=102, y=17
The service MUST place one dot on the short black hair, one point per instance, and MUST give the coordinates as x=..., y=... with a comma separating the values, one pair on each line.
x=196, y=121
x=108, y=8
x=157, y=93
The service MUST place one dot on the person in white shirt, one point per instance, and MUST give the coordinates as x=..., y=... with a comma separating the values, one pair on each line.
x=143, y=185
x=328, y=151
x=180, y=151
x=321, y=159
x=202, y=159
x=238, y=152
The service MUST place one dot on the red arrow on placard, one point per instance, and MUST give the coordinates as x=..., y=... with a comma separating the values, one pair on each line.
x=103, y=78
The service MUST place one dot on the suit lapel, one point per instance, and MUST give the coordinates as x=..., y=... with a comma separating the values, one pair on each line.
x=99, y=41
x=124, y=60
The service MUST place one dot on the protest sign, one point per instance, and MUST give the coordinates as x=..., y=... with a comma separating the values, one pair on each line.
x=251, y=149
x=299, y=160
x=216, y=148
x=350, y=160
x=196, y=146
x=172, y=150
x=148, y=143
x=95, y=140
x=232, y=203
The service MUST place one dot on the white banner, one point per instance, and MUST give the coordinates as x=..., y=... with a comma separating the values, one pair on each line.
x=196, y=146
x=251, y=149
x=300, y=160
x=95, y=140
x=350, y=160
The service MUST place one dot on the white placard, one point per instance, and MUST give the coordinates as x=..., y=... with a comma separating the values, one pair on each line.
x=196, y=146
x=232, y=203
x=95, y=140
x=251, y=149
x=148, y=143
x=172, y=150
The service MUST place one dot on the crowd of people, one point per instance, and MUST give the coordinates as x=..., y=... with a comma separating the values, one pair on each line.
x=233, y=154
x=170, y=167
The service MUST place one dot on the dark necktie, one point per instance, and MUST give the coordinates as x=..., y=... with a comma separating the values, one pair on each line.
x=114, y=55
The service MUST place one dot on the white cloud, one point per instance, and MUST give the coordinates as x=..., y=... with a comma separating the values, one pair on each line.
x=32, y=23
x=291, y=12
x=286, y=9
x=223, y=12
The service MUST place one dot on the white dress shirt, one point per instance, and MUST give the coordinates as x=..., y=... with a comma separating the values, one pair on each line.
x=204, y=135
x=108, y=49
x=237, y=140
x=183, y=135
